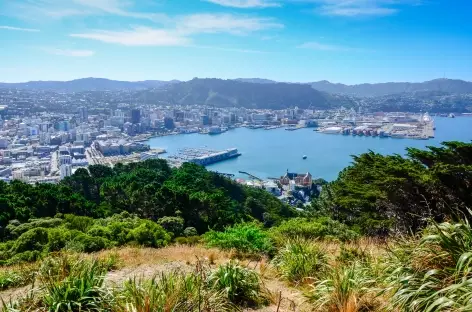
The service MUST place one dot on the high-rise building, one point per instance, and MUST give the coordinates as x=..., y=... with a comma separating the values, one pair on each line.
x=83, y=113
x=135, y=116
x=119, y=113
x=205, y=120
x=65, y=160
x=66, y=171
x=168, y=123
x=178, y=115
x=63, y=125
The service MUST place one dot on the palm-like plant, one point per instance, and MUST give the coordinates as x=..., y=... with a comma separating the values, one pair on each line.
x=345, y=289
x=74, y=286
x=435, y=275
x=168, y=292
x=241, y=285
x=300, y=259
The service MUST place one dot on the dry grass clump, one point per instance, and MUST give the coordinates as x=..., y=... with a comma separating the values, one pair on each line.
x=134, y=256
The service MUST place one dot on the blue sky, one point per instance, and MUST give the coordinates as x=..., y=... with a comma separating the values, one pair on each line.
x=347, y=41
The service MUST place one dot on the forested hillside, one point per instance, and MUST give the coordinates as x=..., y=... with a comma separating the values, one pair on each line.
x=231, y=93
x=380, y=194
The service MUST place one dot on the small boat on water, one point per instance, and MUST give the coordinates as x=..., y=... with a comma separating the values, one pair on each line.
x=304, y=157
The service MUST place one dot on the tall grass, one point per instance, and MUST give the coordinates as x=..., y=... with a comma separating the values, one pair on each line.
x=174, y=291
x=75, y=286
x=240, y=285
x=300, y=259
x=346, y=288
x=436, y=274
x=15, y=277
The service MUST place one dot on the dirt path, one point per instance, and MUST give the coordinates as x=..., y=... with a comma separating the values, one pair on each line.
x=14, y=294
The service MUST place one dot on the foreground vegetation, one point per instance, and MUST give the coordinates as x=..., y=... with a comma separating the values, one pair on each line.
x=390, y=234
x=430, y=272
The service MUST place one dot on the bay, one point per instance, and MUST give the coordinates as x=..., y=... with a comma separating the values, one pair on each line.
x=270, y=153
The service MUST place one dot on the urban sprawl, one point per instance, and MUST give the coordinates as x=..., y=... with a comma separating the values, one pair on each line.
x=46, y=136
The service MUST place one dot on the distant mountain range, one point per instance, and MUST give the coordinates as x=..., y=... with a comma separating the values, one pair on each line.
x=380, y=89
x=88, y=84
x=235, y=93
x=452, y=86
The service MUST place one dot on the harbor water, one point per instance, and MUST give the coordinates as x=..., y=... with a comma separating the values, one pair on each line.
x=269, y=153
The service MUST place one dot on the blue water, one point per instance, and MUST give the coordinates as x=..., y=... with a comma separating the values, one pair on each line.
x=269, y=153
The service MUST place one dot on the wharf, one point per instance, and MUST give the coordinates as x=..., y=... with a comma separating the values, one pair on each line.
x=251, y=175
x=203, y=156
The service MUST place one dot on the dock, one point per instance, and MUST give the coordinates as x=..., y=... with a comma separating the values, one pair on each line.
x=203, y=156
x=226, y=175
x=251, y=175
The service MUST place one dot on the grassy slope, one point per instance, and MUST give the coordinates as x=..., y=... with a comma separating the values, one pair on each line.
x=147, y=262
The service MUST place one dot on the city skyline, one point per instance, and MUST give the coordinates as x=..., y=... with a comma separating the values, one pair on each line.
x=351, y=42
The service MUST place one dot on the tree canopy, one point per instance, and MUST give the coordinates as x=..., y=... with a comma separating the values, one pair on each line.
x=380, y=192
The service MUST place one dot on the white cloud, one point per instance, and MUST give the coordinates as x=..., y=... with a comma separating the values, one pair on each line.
x=313, y=45
x=139, y=36
x=245, y=4
x=120, y=8
x=360, y=7
x=19, y=29
x=224, y=23
x=69, y=52
x=231, y=49
x=58, y=9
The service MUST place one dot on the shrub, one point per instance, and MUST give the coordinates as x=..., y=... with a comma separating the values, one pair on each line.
x=16, y=230
x=92, y=244
x=149, y=234
x=300, y=259
x=57, y=239
x=190, y=231
x=27, y=256
x=181, y=240
x=191, y=240
x=119, y=231
x=246, y=238
x=173, y=225
x=86, y=243
x=241, y=285
x=34, y=239
x=314, y=228
x=79, y=223
x=100, y=231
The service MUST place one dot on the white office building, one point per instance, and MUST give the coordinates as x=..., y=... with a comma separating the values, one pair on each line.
x=66, y=171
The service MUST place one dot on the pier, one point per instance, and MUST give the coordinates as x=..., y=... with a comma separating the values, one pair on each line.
x=227, y=175
x=203, y=156
x=251, y=175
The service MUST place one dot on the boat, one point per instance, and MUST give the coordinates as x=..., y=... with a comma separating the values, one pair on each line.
x=304, y=157
x=451, y=115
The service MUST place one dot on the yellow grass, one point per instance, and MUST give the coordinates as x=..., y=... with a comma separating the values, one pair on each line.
x=135, y=256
